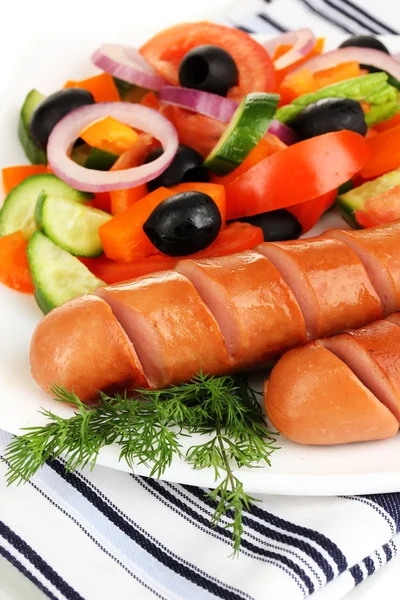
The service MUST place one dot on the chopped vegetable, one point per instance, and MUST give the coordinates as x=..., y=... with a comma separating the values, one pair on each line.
x=296, y=45
x=266, y=147
x=102, y=87
x=381, y=209
x=66, y=132
x=353, y=202
x=128, y=64
x=166, y=49
x=110, y=135
x=123, y=237
x=389, y=124
x=102, y=201
x=247, y=127
x=203, y=103
x=297, y=174
x=14, y=268
x=18, y=210
x=33, y=152
x=72, y=226
x=385, y=153
x=347, y=70
x=373, y=89
x=13, y=176
x=57, y=276
x=236, y=237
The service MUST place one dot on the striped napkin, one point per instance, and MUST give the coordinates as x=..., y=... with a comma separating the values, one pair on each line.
x=106, y=534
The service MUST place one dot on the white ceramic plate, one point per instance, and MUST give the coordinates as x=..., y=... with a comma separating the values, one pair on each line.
x=351, y=469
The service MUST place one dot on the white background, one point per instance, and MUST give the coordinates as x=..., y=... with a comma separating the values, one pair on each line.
x=21, y=23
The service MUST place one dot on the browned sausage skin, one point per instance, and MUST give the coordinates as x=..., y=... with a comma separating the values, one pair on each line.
x=378, y=249
x=329, y=281
x=256, y=311
x=81, y=346
x=312, y=397
x=173, y=332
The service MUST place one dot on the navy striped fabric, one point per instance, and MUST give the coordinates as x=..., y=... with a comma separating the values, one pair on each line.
x=108, y=534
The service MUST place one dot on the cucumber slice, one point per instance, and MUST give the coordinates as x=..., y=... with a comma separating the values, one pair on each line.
x=57, y=276
x=100, y=160
x=36, y=155
x=72, y=226
x=247, y=127
x=18, y=210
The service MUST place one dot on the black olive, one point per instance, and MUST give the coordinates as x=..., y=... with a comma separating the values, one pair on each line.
x=52, y=109
x=364, y=41
x=183, y=224
x=329, y=114
x=277, y=225
x=186, y=166
x=208, y=68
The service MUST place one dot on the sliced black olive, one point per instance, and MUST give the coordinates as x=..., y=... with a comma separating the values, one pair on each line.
x=186, y=166
x=329, y=114
x=183, y=224
x=364, y=41
x=52, y=109
x=277, y=225
x=208, y=68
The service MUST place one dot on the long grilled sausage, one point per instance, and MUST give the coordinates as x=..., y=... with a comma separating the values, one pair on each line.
x=245, y=309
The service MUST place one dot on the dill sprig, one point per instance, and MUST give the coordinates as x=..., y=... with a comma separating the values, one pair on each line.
x=147, y=428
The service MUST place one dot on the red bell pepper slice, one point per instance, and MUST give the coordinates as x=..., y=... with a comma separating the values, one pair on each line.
x=297, y=174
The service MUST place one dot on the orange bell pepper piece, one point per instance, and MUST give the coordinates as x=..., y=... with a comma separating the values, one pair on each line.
x=121, y=200
x=338, y=73
x=13, y=176
x=102, y=87
x=123, y=237
x=282, y=73
x=215, y=191
x=297, y=84
x=281, y=50
x=110, y=135
x=385, y=153
x=14, y=267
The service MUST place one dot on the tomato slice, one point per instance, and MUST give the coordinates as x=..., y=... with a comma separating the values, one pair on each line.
x=385, y=153
x=14, y=268
x=381, y=209
x=236, y=237
x=309, y=213
x=166, y=49
x=299, y=173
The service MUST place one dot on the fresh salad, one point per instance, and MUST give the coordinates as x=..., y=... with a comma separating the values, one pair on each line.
x=202, y=143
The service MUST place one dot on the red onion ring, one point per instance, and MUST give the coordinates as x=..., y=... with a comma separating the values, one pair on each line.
x=128, y=64
x=302, y=40
x=285, y=133
x=204, y=103
x=67, y=131
x=364, y=56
